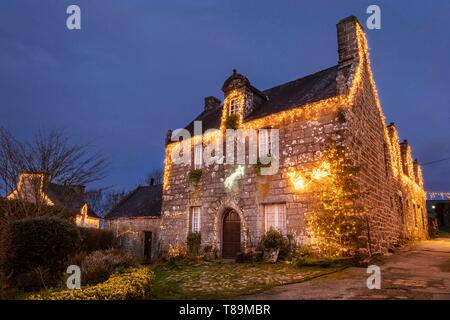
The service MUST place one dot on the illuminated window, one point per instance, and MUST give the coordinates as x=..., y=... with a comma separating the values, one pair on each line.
x=263, y=143
x=275, y=217
x=233, y=106
x=195, y=219
x=198, y=156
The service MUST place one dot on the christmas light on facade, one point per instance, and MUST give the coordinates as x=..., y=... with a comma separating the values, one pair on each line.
x=238, y=173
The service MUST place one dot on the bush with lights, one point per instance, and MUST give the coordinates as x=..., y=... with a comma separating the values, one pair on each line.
x=334, y=221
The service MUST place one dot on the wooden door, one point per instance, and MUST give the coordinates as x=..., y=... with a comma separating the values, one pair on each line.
x=231, y=240
x=148, y=245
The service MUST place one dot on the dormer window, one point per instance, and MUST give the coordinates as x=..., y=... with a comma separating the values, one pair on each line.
x=234, y=106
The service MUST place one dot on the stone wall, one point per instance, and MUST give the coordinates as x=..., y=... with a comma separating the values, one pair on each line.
x=129, y=232
x=393, y=195
x=301, y=141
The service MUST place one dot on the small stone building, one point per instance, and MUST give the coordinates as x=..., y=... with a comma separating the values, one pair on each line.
x=335, y=106
x=35, y=186
x=135, y=221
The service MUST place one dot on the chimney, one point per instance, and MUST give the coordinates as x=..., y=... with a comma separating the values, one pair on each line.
x=347, y=40
x=168, y=137
x=212, y=103
x=347, y=50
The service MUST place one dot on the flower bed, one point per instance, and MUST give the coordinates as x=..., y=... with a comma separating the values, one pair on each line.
x=133, y=283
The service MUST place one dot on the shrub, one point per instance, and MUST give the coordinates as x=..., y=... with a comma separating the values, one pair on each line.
x=20, y=209
x=303, y=252
x=232, y=121
x=99, y=265
x=193, y=241
x=177, y=252
x=133, y=283
x=195, y=175
x=95, y=239
x=41, y=245
x=272, y=239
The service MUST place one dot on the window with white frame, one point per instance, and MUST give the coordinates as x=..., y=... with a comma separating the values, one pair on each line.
x=263, y=143
x=195, y=219
x=198, y=152
x=234, y=106
x=275, y=217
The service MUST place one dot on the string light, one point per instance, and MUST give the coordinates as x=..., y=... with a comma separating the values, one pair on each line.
x=314, y=111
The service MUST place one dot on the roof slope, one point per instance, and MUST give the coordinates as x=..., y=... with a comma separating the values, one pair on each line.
x=71, y=197
x=318, y=86
x=144, y=201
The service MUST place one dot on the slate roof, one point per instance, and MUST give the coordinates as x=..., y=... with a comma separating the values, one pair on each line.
x=318, y=86
x=144, y=201
x=68, y=196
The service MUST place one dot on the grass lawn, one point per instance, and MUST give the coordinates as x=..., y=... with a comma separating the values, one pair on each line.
x=226, y=280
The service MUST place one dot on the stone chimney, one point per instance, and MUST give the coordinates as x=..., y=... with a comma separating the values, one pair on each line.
x=347, y=50
x=347, y=40
x=168, y=137
x=212, y=103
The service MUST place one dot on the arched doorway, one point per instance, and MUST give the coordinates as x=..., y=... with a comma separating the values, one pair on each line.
x=231, y=235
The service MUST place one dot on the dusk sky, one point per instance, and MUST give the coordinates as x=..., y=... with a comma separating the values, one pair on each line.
x=139, y=68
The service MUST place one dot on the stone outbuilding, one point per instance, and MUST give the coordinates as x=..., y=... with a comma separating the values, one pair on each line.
x=135, y=221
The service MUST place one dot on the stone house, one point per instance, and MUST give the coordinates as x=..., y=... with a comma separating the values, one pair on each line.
x=35, y=186
x=135, y=221
x=338, y=105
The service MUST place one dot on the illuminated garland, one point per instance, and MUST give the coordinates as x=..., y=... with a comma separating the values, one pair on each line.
x=436, y=195
x=314, y=110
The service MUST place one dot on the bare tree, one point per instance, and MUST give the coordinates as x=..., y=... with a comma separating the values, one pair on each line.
x=103, y=200
x=155, y=177
x=52, y=154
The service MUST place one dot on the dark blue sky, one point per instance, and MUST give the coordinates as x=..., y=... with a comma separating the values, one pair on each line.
x=138, y=68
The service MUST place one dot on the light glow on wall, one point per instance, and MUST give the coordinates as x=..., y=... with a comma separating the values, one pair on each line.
x=299, y=180
x=238, y=173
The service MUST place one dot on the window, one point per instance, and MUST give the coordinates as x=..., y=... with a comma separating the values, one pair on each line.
x=401, y=209
x=275, y=217
x=263, y=143
x=198, y=152
x=195, y=219
x=233, y=106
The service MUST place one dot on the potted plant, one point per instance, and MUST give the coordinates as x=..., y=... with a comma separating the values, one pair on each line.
x=232, y=121
x=194, y=176
x=210, y=253
x=193, y=242
x=272, y=241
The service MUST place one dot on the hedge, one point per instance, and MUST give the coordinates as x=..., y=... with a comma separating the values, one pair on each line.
x=95, y=239
x=132, y=284
x=44, y=242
